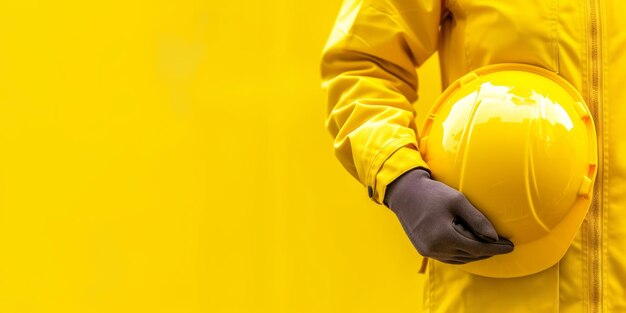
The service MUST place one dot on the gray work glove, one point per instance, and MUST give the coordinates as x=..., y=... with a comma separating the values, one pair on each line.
x=440, y=222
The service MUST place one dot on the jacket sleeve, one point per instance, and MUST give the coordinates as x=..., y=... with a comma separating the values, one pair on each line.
x=369, y=72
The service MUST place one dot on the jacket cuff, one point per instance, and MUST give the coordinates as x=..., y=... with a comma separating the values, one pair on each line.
x=399, y=162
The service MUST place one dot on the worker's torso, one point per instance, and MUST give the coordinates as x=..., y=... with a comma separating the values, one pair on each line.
x=583, y=41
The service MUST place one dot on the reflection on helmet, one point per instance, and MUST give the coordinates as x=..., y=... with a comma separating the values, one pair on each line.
x=519, y=143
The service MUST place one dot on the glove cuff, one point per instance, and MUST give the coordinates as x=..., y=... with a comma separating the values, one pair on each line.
x=398, y=163
x=407, y=180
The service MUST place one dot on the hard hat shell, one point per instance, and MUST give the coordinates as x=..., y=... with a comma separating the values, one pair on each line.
x=519, y=142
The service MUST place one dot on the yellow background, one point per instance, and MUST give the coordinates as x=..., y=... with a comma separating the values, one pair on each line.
x=170, y=156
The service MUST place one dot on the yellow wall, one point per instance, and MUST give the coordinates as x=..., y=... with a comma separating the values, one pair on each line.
x=170, y=156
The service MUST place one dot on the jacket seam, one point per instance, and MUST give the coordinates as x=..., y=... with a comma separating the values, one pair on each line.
x=605, y=98
x=466, y=37
x=558, y=284
x=431, y=285
x=555, y=42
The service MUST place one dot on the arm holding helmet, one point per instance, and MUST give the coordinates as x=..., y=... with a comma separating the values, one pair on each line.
x=369, y=73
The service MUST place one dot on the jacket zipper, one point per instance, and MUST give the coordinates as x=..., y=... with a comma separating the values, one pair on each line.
x=595, y=214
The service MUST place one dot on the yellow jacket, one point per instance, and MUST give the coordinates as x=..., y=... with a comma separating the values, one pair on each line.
x=369, y=71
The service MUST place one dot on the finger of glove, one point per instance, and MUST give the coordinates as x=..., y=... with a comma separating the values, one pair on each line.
x=453, y=262
x=461, y=227
x=479, y=248
x=505, y=241
x=461, y=260
x=505, y=247
x=476, y=222
x=454, y=254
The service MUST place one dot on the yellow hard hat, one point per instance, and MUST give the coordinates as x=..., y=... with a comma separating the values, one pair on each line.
x=518, y=141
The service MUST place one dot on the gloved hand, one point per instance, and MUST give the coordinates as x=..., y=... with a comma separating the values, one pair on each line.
x=440, y=222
